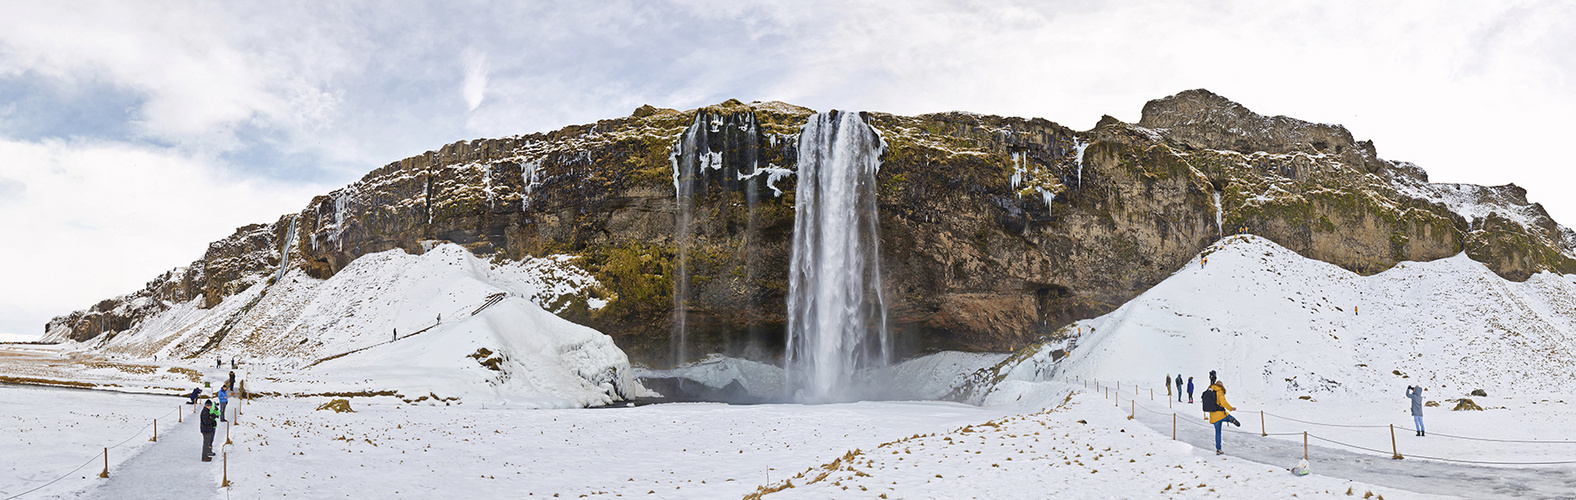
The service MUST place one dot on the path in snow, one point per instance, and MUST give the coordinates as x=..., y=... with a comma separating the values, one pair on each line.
x=172, y=467
x=1422, y=476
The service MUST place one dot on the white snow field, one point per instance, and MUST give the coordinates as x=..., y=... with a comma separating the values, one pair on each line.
x=1277, y=326
x=1313, y=347
x=301, y=335
x=51, y=440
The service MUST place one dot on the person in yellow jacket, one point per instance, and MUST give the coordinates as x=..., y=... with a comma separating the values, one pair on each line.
x=1214, y=402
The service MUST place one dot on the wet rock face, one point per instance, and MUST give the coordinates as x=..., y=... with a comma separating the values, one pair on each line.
x=995, y=231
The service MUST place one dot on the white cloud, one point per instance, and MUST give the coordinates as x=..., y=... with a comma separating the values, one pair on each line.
x=96, y=220
x=475, y=86
x=1471, y=91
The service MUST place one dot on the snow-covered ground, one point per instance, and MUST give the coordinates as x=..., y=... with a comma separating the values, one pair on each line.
x=468, y=328
x=46, y=433
x=1079, y=447
x=284, y=447
x=1279, y=326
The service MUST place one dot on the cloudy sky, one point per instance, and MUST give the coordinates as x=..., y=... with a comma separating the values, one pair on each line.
x=133, y=133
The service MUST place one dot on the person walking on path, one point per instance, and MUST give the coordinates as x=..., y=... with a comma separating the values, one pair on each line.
x=1190, y=390
x=208, y=426
x=224, y=400
x=1168, y=385
x=231, y=384
x=1179, y=388
x=1416, y=393
x=1215, y=403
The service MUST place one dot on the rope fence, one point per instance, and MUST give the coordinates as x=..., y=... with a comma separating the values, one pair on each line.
x=1133, y=406
x=154, y=423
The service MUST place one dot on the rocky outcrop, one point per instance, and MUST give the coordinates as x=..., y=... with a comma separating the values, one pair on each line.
x=995, y=231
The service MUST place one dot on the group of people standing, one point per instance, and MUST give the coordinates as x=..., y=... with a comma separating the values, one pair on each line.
x=212, y=414
x=1213, y=402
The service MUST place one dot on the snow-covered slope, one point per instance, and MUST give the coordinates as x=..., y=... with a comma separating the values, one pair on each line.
x=1277, y=325
x=467, y=328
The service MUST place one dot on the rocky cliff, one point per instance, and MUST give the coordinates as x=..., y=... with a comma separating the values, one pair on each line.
x=994, y=230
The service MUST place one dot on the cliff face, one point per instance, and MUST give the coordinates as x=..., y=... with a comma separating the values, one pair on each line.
x=994, y=231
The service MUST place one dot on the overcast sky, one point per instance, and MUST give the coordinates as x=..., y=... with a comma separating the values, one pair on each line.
x=134, y=133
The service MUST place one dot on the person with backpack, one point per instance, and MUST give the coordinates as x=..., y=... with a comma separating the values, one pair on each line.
x=1214, y=401
x=208, y=425
x=1190, y=390
x=1416, y=394
x=1179, y=388
x=195, y=392
x=224, y=400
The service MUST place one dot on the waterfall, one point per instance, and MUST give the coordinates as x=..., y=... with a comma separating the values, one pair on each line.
x=284, y=253
x=1219, y=228
x=684, y=154
x=1078, y=151
x=836, y=312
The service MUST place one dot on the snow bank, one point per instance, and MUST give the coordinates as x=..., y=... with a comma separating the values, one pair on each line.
x=930, y=377
x=467, y=328
x=1277, y=325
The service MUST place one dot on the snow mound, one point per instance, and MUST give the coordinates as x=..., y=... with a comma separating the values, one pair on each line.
x=467, y=329
x=1274, y=324
x=759, y=381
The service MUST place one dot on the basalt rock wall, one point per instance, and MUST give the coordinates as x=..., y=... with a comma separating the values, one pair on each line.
x=995, y=231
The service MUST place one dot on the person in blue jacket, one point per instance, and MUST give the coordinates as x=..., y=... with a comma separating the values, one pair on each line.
x=1416, y=395
x=1179, y=388
x=224, y=400
x=1189, y=390
x=195, y=392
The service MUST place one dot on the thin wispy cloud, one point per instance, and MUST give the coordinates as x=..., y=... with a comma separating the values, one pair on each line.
x=475, y=86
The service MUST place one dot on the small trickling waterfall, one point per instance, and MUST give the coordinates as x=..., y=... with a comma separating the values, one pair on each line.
x=1078, y=151
x=284, y=252
x=685, y=154
x=1219, y=228
x=836, y=312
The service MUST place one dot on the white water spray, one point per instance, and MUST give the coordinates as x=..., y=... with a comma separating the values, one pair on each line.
x=284, y=252
x=1078, y=151
x=836, y=312
x=1219, y=228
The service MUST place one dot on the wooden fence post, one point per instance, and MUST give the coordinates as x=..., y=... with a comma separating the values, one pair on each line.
x=1304, y=445
x=1394, y=453
x=1132, y=407
x=226, y=458
x=106, y=464
x=1173, y=427
x=155, y=437
x=1262, y=431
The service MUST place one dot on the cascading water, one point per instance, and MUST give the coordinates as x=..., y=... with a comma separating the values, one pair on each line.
x=836, y=312
x=1219, y=228
x=284, y=252
x=684, y=195
x=1078, y=152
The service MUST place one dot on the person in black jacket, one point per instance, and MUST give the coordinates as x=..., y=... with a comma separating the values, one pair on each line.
x=195, y=393
x=231, y=384
x=210, y=422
